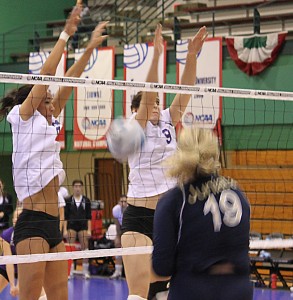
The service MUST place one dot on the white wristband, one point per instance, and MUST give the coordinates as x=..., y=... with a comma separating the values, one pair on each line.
x=64, y=36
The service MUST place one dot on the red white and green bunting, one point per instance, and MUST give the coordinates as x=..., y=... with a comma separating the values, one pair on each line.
x=252, y=54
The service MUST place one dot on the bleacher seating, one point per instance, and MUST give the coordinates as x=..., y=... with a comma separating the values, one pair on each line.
x=221, y=19
x=235, y=18
x=267, y=179
x=266, y=263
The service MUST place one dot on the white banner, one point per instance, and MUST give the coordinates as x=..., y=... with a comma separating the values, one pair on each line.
x=36, y=61
x=94, y=105
x=203, y=110
x=137, y=62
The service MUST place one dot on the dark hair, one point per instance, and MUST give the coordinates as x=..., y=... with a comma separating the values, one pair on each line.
x=14, y=97
x=75, y=181
x=123, y=196
x=136, y=101
x=3, y=192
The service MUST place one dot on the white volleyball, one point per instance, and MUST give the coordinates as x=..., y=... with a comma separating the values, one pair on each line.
x=124, y=138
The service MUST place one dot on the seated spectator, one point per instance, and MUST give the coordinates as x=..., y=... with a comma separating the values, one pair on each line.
x=77, y=224
x=6, y=207
x=117, y=212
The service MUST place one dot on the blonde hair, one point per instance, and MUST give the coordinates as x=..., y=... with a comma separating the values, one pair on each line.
x=197, y=155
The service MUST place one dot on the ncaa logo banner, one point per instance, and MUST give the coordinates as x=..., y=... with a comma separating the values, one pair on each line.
x=36, y=61
x=203, y=110
x=137, y=61
x=93, y=106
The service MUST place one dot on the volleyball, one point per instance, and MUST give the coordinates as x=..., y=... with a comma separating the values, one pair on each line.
x=135, y=55
x=124, y=138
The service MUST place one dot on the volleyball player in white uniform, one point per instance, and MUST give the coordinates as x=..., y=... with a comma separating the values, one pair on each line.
x=37, y=169
x=147, y=180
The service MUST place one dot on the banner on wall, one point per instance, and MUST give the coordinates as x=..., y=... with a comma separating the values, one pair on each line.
x=253, y=54
x=203, y=110
x=137, y=61
x=36, y=61
x=93, y=106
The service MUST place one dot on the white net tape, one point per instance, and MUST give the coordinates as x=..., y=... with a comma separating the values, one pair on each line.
x=31, y=258
x=143, y=86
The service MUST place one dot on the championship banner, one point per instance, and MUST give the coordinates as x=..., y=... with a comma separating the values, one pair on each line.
x=203, y=110
x=36, y=61
x=93, y=106
x=137, y=62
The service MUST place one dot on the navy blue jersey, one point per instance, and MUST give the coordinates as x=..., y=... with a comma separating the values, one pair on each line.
x=205, y=223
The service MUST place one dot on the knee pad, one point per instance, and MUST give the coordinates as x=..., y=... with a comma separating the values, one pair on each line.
x=135, y=297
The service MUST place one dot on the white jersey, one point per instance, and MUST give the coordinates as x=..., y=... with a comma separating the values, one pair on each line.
x=117, y=213
x=147, y=176
x=36, y=153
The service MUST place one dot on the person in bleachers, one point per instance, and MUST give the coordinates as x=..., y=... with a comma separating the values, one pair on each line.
x=77, y=224
x=117, y=212
x=6, y=207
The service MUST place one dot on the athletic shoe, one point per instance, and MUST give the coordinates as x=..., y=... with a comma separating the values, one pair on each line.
x=115, y=275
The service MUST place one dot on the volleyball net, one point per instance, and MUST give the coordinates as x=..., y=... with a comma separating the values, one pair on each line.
x=255, y=137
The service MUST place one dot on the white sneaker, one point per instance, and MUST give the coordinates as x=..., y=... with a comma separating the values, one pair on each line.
x=115, y=275
x=86, y=276
x=162, y=295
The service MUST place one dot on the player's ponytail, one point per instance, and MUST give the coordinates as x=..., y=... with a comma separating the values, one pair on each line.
x=14, y=97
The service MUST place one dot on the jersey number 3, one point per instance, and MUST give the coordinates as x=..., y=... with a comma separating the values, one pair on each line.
x=229, y=205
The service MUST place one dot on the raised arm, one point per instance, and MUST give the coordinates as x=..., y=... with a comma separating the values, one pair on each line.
x=38, y=92
x=78, y=67
x=148, y=98
x=180, y=101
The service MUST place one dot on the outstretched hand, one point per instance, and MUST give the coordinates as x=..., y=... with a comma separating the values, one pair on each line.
x=97, y=38
x=195, y=44
x=158, y=41
x=73, y=20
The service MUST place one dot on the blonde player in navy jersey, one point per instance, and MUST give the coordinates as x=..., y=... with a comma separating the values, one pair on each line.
x=147, y=180
x=37, y=169
x=201, y=227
